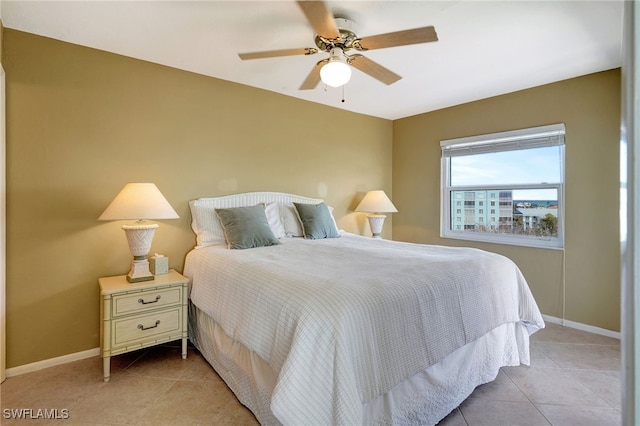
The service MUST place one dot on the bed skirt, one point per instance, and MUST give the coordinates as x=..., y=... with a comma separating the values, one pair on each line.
x=423, y=399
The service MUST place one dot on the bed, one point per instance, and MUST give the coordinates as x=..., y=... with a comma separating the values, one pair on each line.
x=313, y=325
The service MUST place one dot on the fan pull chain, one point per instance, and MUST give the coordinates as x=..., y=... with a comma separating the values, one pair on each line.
x=326, y=89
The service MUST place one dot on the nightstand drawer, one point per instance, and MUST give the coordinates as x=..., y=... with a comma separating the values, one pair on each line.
x=144, y=301
x=149, y=326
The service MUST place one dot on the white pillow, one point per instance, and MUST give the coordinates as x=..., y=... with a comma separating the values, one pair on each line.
x=290, y=220
x=205, y=223
x=272, y=210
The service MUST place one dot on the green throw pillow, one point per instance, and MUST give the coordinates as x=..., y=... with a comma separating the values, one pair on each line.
x=316, y=221
x=246, y=227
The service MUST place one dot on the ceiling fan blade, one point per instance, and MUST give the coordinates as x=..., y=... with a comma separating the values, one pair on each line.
x=374, y=69
x=275, y=53
x=313, y=78
x=320, y=18
x=398, y=38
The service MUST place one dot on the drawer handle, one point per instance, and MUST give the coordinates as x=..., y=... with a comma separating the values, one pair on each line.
x=141, y=300
x=142, y=327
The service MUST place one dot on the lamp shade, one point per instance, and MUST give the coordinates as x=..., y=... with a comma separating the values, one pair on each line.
x=139, y=201
x=376, y=202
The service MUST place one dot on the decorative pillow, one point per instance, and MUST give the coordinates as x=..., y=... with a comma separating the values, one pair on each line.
x=317, y=221
x=272, y=210
x=246, y=227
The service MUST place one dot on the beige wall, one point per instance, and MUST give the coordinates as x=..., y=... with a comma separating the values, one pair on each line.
x=82, y=123
x=590, y=108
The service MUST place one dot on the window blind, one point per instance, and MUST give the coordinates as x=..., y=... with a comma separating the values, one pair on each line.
x=535, y=137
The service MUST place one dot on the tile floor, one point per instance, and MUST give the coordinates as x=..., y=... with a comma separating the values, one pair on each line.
x=574, y=379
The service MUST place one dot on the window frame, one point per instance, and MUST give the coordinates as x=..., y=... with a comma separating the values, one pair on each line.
x=494, y=140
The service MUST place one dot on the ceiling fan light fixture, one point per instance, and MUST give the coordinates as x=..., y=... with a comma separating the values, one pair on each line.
x=336, y=72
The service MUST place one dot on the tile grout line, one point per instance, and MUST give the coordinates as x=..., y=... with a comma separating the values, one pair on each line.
x=528, y=399
x=155, y=401
x=566, y=369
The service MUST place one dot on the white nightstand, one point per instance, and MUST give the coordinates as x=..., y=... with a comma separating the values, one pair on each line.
x=138, y=315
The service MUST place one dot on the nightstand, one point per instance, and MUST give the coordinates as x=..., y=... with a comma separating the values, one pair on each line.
x=139, y=315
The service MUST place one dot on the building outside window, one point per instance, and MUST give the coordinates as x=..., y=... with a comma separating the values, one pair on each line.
x=520, y=172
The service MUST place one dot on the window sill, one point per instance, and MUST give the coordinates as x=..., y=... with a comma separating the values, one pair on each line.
x=531, y=242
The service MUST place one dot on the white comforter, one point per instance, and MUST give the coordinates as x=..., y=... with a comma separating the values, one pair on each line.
x=344, y=320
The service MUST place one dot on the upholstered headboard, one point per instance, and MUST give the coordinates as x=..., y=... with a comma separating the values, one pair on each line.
x=206, y=226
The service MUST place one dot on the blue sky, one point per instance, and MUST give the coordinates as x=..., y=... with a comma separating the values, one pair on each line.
x=530, y=166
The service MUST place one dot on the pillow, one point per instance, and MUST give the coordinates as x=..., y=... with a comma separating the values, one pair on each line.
x=272, y=210
x=205, y=223
x=246, y=227
x=316, y=221
x=291, y=221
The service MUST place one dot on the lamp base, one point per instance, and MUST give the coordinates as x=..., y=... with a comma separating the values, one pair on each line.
x=139, y=271
x=139, y=237
x=375, y=223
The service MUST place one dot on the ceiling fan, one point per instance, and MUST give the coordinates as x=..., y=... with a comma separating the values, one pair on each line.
x=335, y=36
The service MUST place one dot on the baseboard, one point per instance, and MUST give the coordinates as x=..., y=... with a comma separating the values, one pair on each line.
x=46, y=363
x=583, y=327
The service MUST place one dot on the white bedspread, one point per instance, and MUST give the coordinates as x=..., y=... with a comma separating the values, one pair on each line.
x=344, y=320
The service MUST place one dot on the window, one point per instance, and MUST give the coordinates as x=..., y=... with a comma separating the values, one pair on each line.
x=520, y=173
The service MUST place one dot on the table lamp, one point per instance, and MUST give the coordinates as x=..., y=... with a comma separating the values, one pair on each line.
x=376, y=202
x=139, y=201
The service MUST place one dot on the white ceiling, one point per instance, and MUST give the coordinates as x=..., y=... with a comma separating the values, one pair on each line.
x=485, y=48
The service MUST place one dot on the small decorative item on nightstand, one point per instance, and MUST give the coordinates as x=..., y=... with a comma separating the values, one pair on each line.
x=143, y=314
x=159, y=264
